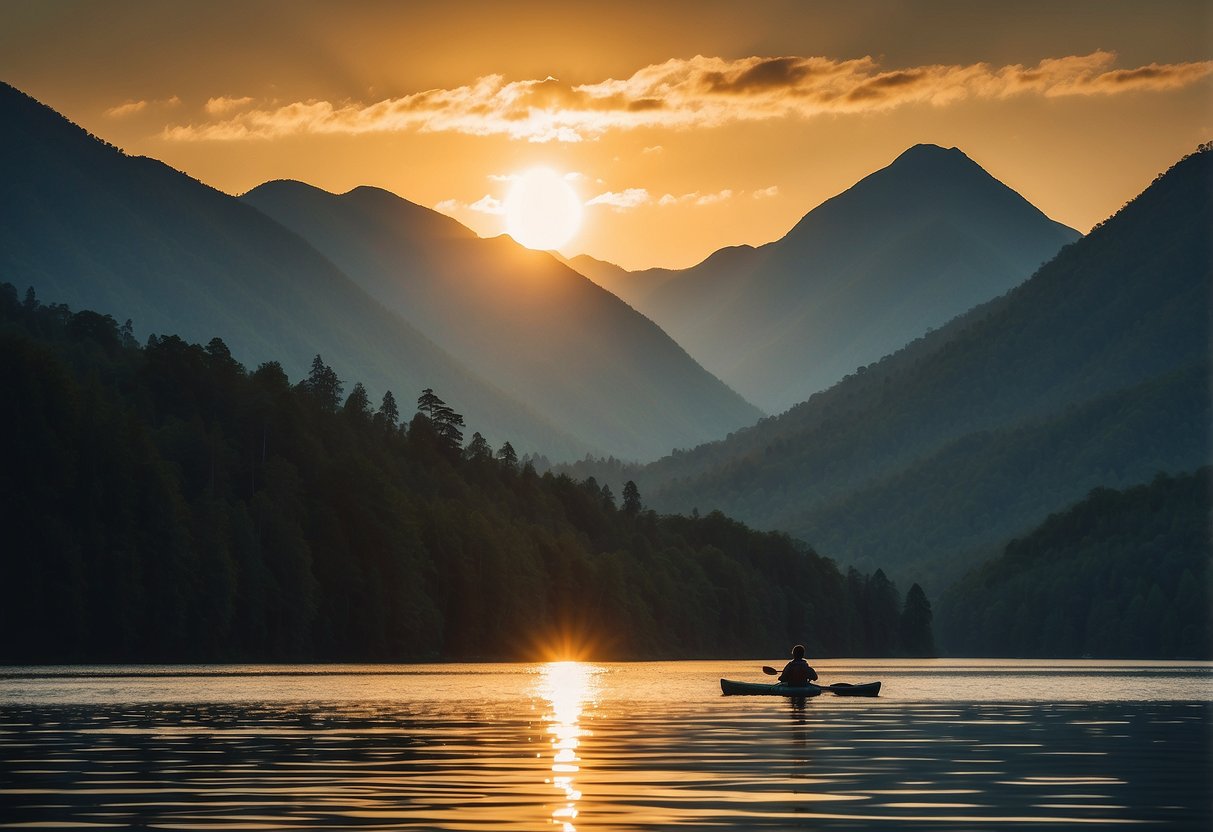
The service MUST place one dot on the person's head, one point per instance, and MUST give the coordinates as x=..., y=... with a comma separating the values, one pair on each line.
x=798, y=651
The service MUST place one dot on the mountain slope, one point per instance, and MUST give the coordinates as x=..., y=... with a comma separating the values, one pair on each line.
x=977, y=492
x=905, y=249
x=630, y=287
x=559, y=342
x=1122, y=574
x=1123, y=308
x=86, y=225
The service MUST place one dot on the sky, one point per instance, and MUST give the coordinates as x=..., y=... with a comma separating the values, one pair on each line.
x=683, y=126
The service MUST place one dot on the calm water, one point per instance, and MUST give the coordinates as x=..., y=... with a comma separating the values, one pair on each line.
x=948, y=745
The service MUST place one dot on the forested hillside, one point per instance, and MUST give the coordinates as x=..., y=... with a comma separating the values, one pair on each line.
x=1122, y=574
x=164, y=503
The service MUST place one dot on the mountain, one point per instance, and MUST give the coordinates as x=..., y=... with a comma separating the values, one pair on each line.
x=557, y=341
x=1093, y=372
x=905, y=249
x=86, y=225
x=1122, y=574
x=631, y=287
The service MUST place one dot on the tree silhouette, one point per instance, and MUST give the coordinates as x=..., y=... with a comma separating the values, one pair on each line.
x=428, y=402
x=631, y=498
x=358, y=403
x=478, y=449
x=449, y=426
x=508, y=456
x=388, y=409
x=323, y=385
x=916, y=637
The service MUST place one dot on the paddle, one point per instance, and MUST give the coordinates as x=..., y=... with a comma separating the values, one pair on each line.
x=770, y=671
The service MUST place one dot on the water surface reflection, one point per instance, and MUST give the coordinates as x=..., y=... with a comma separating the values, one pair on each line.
x=601, y=747
x=566, y=686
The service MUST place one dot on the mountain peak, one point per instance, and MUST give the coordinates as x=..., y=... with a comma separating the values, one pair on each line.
x=926, y=150
x=283, y=187
x=934, y=159
x=372, y=195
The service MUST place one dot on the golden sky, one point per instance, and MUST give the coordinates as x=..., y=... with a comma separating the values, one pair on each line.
x=684, y=126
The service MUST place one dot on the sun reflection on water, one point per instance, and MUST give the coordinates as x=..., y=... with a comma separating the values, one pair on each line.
x=566, y=686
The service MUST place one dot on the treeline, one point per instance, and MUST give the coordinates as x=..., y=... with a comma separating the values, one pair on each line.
x=1122, y=574
x=163, y=503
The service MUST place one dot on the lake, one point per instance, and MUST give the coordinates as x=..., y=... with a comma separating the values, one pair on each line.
x=949, y=744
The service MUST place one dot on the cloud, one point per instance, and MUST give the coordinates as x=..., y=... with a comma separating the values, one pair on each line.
x=766, y=193
x=222, y=104
x=488, y=204
x=130, y=108
x=127, y=109
x=696, y=198
x=622, y=200
x=653, y=150
x=712, y=199
x=697, y=92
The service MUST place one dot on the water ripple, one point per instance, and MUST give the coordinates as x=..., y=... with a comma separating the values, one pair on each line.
x=579, y=747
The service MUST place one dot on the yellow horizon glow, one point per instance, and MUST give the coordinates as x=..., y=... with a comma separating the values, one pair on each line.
x=685, y=139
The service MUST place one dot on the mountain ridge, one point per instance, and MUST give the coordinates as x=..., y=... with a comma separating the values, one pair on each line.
x=556, y=338
x=88, y=225
x=1124, y=306
x=905, y=249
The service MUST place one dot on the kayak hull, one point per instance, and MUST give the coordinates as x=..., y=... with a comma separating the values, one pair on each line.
x=731, y=688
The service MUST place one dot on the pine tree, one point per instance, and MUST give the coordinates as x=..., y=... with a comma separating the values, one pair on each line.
x=631, y=498
x=449, y=425
x=128, y=334
x=358, y=403
x=388, y=409
x=478, y=449
x=507, y=456
x=917, y=640
x=428, y=402
x=882, y=614
x=322, y=383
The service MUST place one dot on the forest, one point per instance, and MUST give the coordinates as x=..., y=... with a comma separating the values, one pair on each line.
x=1122, y=574
x=164, y=503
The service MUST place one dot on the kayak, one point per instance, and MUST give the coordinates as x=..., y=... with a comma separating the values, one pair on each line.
x=730, y=688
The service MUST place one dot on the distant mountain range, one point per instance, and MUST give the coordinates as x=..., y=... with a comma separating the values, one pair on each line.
x=1094, y=372
x=567, y=348
x=904, y=250
x=86, y=225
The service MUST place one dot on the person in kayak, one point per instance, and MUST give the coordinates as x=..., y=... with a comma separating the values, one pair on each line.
x=797, y=673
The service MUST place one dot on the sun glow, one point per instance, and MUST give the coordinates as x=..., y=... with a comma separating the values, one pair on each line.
x=542, y=211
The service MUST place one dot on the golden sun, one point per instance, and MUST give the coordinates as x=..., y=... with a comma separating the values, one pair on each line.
x=542, y=211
